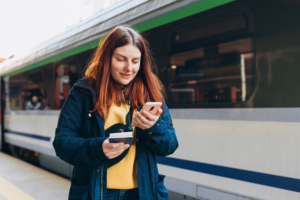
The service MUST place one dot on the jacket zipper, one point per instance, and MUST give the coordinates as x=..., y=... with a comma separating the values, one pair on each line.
x=101, y=182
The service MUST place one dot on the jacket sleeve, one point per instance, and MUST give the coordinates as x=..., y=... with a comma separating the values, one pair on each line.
x=161, y=137
x=68, y=143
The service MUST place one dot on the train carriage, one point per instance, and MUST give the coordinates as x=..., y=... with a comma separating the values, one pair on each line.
x=230, y=69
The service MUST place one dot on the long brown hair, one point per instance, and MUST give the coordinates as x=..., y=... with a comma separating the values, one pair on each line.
x=144, y=87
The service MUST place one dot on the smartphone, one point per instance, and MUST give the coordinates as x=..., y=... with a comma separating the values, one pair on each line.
x=151, y=107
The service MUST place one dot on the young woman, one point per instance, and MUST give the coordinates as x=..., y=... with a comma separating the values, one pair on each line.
x=116, y=85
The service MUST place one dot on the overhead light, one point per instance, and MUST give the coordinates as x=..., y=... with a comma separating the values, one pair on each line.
x=173, y=67
x=192, y=82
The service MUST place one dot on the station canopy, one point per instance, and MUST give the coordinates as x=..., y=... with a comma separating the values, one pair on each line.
x=130, y=12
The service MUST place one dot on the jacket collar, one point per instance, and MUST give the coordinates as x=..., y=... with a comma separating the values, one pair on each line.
x=81, y=83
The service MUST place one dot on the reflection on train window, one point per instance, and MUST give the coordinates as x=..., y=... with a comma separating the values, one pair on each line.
x=212, y=75
x=28, y=90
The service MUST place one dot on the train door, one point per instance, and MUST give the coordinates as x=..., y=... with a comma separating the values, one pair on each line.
x=66, y=76
x=1, y=132
x=2, y=106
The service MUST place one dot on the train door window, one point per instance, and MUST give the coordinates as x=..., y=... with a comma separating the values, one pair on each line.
x=34, y=91
x=14, y=92
x=67, y=73
x=14, y=100
x=214, y=70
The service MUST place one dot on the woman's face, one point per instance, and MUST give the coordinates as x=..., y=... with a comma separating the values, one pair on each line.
x=125, y=63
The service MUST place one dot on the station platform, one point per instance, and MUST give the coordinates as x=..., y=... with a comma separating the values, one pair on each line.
x=22, y=181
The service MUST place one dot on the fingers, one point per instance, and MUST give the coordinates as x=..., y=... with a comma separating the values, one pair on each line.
x=106, y=141
x=139, y=120
x=148, y=116
x=142, y=122
x=117, y=152
x=136, y=122
x=158, y=113
x=143, y=119
x=111, y=146
x=112, y=150
x=115, y=146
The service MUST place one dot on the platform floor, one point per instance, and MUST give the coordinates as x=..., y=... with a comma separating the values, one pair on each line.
x=22, y=181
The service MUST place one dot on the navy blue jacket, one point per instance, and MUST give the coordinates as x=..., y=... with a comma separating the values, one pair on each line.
x=78, y=141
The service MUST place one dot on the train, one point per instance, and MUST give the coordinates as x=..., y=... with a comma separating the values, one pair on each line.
x=231, y=74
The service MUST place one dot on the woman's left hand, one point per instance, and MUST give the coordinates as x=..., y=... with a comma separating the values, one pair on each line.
x=145, y=120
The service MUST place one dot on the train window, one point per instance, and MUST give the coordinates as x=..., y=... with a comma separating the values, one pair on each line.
x=211, y=63
x=28, y=90
x=214, y=76
x=46, y=87
x=33, y=90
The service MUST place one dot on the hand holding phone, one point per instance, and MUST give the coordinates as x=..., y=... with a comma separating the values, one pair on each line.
x=147, y=116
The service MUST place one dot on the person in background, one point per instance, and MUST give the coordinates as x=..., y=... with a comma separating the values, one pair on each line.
x=62, y=100
x=45, y=105
x=34, y=104
x=118, y=82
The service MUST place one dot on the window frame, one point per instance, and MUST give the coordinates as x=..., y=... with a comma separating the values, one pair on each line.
x=246, y=32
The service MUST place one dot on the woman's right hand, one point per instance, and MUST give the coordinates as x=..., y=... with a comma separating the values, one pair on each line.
x=112, y=150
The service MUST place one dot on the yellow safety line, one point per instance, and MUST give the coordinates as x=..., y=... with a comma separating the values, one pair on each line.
x=11, y=192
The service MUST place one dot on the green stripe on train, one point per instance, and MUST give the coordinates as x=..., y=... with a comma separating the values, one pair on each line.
x=165, y=19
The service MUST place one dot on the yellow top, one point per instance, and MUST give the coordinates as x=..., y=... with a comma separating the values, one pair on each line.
x=122, y=175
